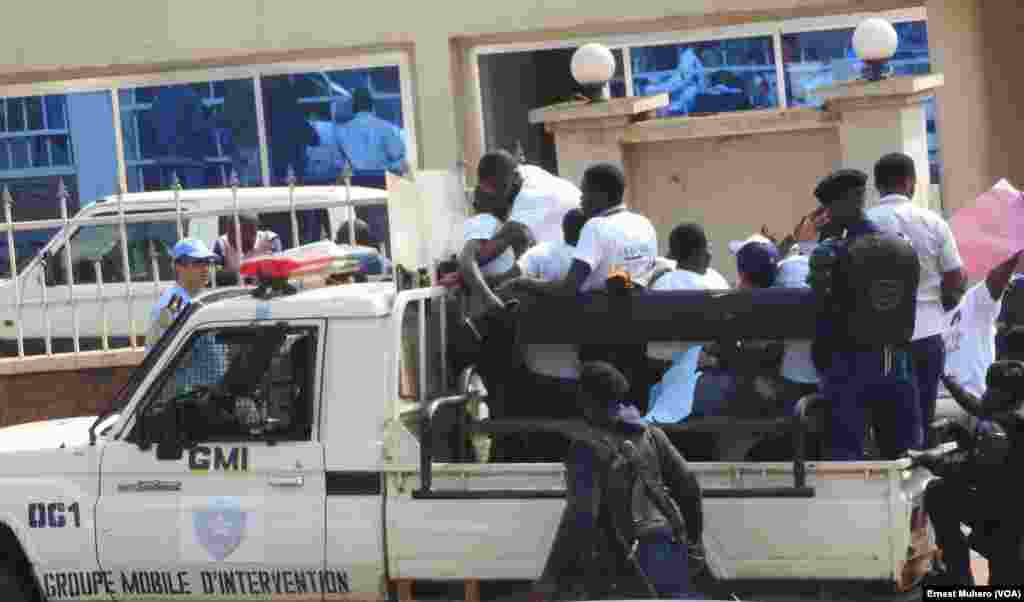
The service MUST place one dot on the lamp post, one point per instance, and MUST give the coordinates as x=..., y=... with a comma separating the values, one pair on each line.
x=875, y=41
x=593, y=66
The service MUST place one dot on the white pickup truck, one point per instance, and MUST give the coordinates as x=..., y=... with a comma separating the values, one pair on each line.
x=283, y=446
x=41, y=302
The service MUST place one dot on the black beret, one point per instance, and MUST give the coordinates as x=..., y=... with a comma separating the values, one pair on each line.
x=837, y=183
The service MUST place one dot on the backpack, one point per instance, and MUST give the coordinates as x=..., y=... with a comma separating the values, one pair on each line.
x=633, y=492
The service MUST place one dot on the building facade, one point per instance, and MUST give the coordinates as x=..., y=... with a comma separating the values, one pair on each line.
x=107, y=94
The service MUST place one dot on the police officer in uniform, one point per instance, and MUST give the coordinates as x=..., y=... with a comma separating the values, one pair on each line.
x=973, y=490
x=192, y=259
x=633, y=525
x=852, y=373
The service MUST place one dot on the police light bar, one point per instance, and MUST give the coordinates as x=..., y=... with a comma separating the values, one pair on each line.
x=317, y=263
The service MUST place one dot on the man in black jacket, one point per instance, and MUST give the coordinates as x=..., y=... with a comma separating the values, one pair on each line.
x=633, y=525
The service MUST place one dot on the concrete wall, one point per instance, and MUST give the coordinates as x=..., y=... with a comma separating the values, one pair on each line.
x=974, y=44
x=730, y=185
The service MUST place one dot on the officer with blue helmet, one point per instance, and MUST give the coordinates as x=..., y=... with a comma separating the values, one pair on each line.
x=972, y=488
x=192, y=259
x=854, y=374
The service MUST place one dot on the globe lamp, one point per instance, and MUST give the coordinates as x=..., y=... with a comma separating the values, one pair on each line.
x=875, y=41
x=593, y=66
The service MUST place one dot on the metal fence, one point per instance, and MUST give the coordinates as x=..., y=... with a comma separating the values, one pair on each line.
x=17, y=303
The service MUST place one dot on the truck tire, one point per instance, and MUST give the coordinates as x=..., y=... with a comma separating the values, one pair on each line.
x=12, y=586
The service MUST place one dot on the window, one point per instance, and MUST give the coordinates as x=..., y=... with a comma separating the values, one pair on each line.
x=513, y=83
x=312, y=122
x=814, y=59
x=45, y=140
x=242, y=384
x=102, y=243
x=708, y=77
x=198, y=131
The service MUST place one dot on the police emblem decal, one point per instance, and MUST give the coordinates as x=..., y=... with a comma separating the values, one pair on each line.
x=886, y=295
x=220, y=527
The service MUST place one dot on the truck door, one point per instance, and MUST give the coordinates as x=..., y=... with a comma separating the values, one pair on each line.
x=241, y=512
x=102, y=243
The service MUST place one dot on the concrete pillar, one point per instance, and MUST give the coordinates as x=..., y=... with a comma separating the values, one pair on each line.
x=588, y=133
x=438, y=136
x=964, y=121
x=877, y=118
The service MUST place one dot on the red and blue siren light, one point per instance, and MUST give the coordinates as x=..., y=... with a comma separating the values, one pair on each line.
x=317, y=259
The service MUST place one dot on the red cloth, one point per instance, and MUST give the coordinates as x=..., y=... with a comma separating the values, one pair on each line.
x=990, y=230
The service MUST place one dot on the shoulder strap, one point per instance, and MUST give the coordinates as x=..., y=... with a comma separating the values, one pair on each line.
x=650, y=473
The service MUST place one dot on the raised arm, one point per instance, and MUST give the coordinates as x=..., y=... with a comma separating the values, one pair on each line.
x=964, y=398
x=1000, y=275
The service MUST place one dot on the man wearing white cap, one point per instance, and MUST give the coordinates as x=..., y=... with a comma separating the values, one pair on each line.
x=192, y=259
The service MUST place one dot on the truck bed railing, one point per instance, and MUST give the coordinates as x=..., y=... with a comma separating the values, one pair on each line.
x=798, y=425
x=121, y=215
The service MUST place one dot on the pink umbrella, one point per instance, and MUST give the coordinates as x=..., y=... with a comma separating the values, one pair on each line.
x=990, y=230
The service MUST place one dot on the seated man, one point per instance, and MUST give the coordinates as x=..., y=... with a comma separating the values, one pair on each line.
x=553, y=369
x=672, y=395
x=614, y=242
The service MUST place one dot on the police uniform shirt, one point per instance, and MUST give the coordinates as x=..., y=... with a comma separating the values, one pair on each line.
x=831, y=327
x=550, y=262
x=617, y=239
x=542, y=203
x=484, y=226
x=172, y=302
x=933, y=240
x=971, y=338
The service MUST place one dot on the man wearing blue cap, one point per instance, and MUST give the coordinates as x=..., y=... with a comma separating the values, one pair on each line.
x=853, y=375
x=192, y=259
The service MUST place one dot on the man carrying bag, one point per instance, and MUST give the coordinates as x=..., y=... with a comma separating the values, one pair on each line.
x=633, y=524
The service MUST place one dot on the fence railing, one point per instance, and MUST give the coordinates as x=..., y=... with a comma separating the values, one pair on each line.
x=103, y=301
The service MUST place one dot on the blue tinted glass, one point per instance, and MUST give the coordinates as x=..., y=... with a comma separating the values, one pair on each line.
x=55, y=118
x=20, y=151
x=312, y=124
x=61, y=150
x=5, y=161
x=15, y=114
x=708, y=77
x=40, y=154
x=196, y=132
x=34, y=108
x=822, y=58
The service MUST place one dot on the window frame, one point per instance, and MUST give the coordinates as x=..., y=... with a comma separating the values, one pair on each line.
x=146, y=394
x=113, y=85
x=627, y=41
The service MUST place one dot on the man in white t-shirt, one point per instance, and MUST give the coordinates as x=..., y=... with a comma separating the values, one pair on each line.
x=614, y=240
x=537, y=202
x=671, y=399
x=943, y=280
x=971, y=338
x=553, y=368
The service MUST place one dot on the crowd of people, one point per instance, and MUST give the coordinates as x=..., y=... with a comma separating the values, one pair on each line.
x=537, y=234
x=886, y=393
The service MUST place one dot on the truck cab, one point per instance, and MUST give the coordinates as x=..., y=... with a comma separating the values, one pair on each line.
x=287, y=441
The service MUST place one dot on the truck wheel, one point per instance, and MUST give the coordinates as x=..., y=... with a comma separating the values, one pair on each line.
x=12, y=586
